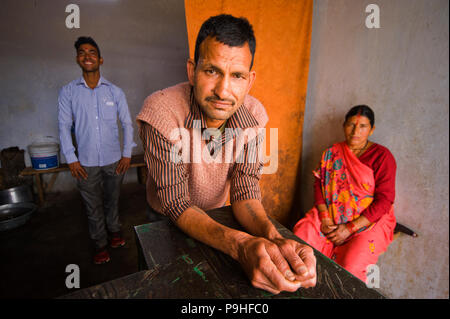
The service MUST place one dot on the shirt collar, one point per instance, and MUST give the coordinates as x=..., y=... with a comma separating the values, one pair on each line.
x=242, y=118
x=102, y=80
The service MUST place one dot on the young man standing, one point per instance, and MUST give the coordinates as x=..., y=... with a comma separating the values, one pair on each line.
x=93, y=104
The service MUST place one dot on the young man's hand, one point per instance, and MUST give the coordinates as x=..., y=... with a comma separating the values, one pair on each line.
x=77, y=170
x=123, y=166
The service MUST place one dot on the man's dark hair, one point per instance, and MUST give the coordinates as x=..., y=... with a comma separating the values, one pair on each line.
x=86, y=40
x=229, y=30
x=362, y=110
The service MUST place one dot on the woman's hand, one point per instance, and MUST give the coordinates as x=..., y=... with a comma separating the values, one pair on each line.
x=339, y=235
x=327, y=226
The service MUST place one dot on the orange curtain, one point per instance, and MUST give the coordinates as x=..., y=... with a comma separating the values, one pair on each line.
x=283, y=36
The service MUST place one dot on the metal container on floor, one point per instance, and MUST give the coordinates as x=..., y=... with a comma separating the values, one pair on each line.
x=15, y=215
x=18, y=194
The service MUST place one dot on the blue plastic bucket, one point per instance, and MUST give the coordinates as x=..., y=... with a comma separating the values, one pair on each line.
x=44, y=154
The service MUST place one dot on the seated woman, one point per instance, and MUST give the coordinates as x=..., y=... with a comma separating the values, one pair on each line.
x=353, y=219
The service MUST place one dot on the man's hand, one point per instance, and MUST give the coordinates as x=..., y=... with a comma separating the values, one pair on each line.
x=301, y=260
x=339, y=235
x=274, y=265
x=271, y=262
x=124, y=165
x=268, y=264
x=77, y=170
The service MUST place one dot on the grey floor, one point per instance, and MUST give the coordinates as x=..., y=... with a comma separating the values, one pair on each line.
x=33, y=257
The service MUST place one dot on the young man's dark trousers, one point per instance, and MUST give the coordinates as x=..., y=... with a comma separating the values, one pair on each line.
x=100, y=193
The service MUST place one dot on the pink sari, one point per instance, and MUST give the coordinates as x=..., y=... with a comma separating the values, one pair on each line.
x=348, y=188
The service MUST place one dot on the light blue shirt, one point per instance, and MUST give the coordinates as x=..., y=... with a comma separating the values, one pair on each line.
x=94, y=113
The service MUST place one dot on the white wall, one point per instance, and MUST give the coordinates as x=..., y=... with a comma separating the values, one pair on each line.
x=401, y=71
x=143, y=43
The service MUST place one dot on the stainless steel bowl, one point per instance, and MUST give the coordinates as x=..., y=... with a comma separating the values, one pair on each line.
x=15, y=215
x=18, y=194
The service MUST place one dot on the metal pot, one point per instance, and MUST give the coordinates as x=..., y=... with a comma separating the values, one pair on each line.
x=18, y=194
x=15, y=215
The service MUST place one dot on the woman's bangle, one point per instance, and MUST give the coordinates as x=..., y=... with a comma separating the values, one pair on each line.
x=351, y=227
x=324, y=215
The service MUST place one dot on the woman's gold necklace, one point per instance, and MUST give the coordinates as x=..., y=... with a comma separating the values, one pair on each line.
x=360, y=149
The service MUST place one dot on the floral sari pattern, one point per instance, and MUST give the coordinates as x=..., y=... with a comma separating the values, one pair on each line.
x=347, y=184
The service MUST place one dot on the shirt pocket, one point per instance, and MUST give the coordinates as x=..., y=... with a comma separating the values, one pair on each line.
x=109, y=110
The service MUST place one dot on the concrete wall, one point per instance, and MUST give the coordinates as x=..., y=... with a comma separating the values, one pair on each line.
x=401, y=71
x=143, y=43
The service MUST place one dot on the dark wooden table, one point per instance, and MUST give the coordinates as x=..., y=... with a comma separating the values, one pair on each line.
x=173, y=265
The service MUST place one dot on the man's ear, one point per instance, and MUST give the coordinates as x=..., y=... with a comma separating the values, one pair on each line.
x=190, y=66
x=100, y=61
x=371, y=131
x=252, y=77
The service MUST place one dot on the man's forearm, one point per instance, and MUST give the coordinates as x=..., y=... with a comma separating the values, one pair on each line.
x=67, y=147
x=252, y=216
x=128, y=142
x=197, y=224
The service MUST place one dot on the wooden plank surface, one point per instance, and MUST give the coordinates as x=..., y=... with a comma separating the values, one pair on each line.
x=128, y=287
x=181, y=264
x=175, y=266
x=176, y=272
x=333, y=281
x=136, y=161
x=31, y=171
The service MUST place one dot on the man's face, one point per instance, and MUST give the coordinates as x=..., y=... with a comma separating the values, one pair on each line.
x=221, y=79
x=88, y=59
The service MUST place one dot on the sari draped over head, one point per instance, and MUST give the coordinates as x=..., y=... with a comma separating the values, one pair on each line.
x=347, y=184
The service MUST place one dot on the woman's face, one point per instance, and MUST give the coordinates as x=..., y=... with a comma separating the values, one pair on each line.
x=357, y=130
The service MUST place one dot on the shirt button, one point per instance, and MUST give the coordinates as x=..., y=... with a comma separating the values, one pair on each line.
x=96, y=117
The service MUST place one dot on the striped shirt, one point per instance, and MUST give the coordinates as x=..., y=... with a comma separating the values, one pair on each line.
x=180, y=184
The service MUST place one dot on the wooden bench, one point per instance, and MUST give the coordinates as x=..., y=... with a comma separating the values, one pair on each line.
x=136, y=161
x=400, y=228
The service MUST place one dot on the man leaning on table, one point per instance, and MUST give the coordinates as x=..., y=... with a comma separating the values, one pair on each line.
x=215, y=103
